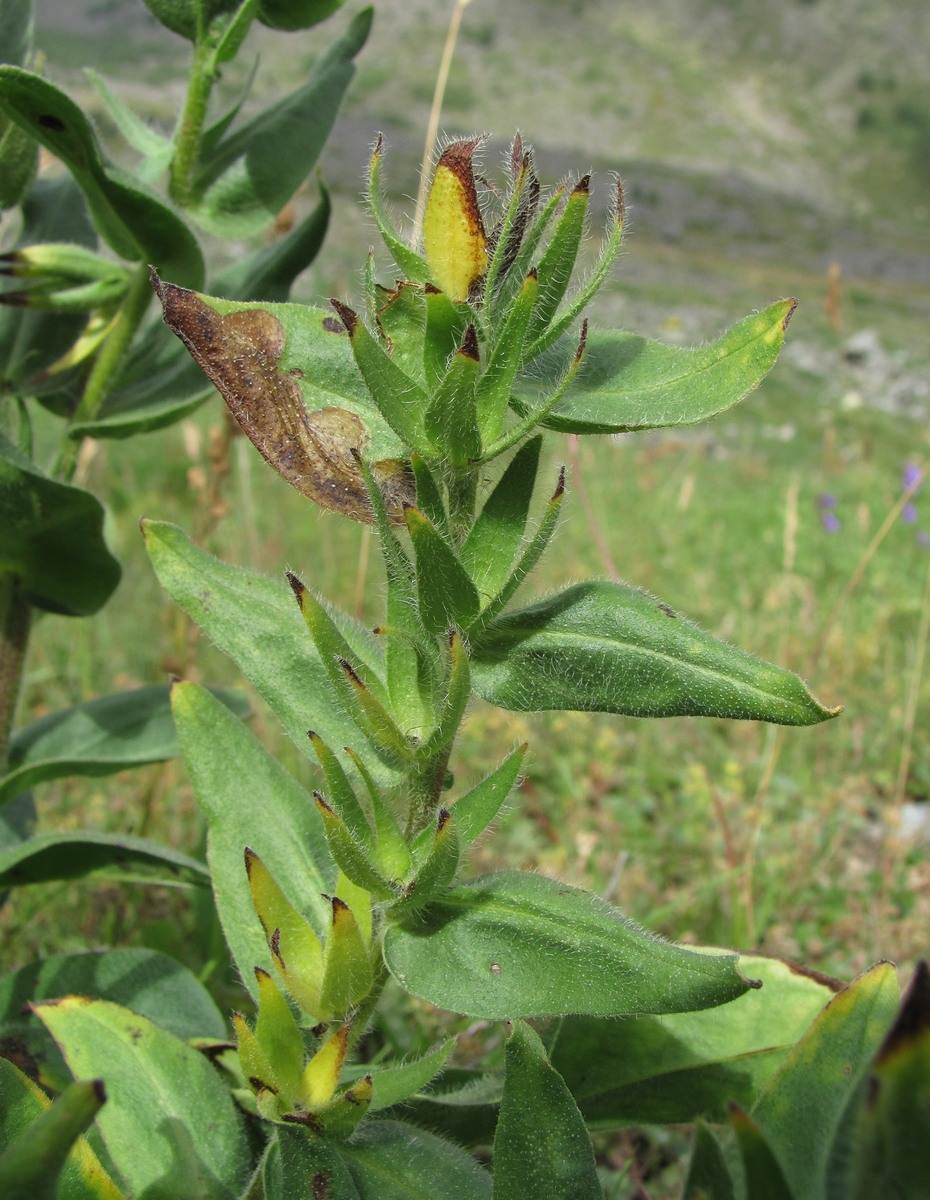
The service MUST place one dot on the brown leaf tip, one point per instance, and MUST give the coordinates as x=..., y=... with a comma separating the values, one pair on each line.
x=296, y=586
x=469, y=345
x=347, y=315
x=559, y=487
x=789, y=314
x=583, y=186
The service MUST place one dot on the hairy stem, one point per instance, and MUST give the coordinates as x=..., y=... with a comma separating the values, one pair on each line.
x=190, y=126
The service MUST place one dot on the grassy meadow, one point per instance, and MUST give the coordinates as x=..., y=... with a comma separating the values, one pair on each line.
x=773, y=526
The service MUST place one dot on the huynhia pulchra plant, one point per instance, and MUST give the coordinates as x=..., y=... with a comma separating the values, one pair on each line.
x=422, y=411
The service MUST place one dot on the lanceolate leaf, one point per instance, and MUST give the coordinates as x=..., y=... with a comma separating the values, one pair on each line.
x=541, y=1146
x=519, y=945
x=249, y=800
x=248, y=178
x=51, y=538
x=170, y=1125
x=608, y=647
x=99, y=737
x=628, y=382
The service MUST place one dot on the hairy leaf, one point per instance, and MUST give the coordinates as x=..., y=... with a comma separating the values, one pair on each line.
x=541, y=1146
x=609, y=647
x=520, y=945
x=170, y=1125
x=629, y=382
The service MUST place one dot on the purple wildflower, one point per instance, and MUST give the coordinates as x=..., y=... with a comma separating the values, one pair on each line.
x=923, y=539
x=910, y=476
x=826, y=500
x=909, y=514
x=829, y=520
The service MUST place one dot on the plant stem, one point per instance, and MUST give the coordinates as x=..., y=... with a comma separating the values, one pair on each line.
x=106, y=365
x=15, y=619
x=190, y=126
x=463, y=490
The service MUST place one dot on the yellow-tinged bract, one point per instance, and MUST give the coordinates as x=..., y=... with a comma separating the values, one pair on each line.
x=454, y=240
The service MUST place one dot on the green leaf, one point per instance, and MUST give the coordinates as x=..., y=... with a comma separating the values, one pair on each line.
x=148, y=982
x=708, y=1174
x=628, y=382
x=51, y=539
x=475, y=811
x=99, y=737
x=256, y=622
x=517, y=945
x=135, y=223
x=674, y=1069
x=494, y=387
x=558, y=262
x=889, y=1150
x=390, y=1160
x=189, y=18
x=447, y=597
x=19, y=160
x=42, y=1153
x=609, y=647
x=401, y=400
x=461, y=1104
x=296, y=14
x=170, y=1125
x=451, y=417
x=495, y=537
x=541, y=1147
x=248, y=178
x=802, y=1106
x=393, y=1085
x=234, y=778
x=104, y=855
x=412, y=265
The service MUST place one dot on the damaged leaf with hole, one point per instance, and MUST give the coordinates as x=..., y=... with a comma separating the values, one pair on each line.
x=288, y=376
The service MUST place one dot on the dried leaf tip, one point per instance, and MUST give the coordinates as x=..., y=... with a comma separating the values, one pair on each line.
x=347, y=316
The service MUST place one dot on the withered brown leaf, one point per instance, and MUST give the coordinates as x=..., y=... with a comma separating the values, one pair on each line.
x=240, y=354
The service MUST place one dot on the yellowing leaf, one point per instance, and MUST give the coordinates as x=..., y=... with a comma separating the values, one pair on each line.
x=454, y=240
